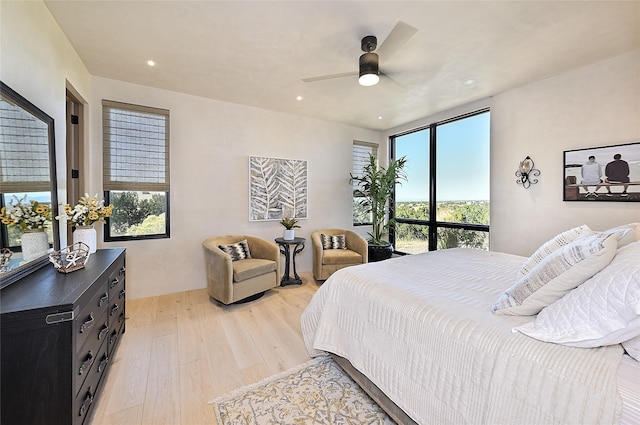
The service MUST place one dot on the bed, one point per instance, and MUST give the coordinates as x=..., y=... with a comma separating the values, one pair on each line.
x=420, y=333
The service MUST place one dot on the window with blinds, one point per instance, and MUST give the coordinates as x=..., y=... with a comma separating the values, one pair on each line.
x=361, y=154
x=136, y=170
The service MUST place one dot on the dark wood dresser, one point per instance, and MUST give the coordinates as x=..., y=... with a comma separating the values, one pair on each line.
x=58, y=334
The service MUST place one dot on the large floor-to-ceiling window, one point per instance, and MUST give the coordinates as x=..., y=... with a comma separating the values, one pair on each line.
x=445, y=201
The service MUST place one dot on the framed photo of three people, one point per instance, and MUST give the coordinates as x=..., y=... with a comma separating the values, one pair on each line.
x=607, y=173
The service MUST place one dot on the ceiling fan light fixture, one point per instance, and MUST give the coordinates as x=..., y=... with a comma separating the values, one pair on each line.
x=369, y=73
x=368, y=80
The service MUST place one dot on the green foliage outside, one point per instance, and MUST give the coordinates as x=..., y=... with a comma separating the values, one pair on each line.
x=137, y=213
x=413, y=238
x=152, y=225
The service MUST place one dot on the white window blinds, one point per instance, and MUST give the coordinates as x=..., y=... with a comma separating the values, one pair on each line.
x=361, y=152
x=24, y=151
x=135, y=147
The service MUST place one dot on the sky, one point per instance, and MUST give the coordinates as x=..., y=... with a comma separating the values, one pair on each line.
x=462, y=151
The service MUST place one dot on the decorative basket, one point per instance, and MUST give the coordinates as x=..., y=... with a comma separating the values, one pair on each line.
x=70, y=258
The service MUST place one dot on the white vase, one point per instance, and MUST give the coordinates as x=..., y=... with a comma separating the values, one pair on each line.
x=35, y=244
x=86, y=234
x=289, y=235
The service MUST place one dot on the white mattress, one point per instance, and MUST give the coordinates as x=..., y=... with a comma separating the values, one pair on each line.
x=420, y=327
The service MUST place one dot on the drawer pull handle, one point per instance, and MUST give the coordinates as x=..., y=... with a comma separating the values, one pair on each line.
x=86, y=364
x=114, y=309
x=103, y=299
x=113, y=338
x=114, y=283
x=87, y=323
x=88, y=399
x=122, y=270
x=121, y=317
x=103, y=331
x=103, y=363
x=121, y=294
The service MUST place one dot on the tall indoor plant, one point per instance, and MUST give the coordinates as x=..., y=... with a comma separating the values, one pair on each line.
x=374, y=192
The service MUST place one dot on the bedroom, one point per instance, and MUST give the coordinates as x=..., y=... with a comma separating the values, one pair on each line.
x=594, y=105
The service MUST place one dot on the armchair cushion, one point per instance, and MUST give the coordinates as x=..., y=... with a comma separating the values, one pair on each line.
x=251, y=267
x=341, y=256
x=333, y=241
x=237, y=251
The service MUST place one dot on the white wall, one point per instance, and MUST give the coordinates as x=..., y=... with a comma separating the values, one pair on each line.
x=211, y=142
x=38, y=61
x=594, y=106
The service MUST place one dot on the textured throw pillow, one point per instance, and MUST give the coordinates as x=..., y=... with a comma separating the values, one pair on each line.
x=551, y=245
x=557, y=274
x=333, y=241
x=625, y=234
x=237, y=251
x=604, y=310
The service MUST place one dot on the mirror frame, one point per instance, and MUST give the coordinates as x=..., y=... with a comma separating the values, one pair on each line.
x=11, y=276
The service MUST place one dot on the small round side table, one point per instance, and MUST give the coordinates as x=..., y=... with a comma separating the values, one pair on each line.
x=290, y=257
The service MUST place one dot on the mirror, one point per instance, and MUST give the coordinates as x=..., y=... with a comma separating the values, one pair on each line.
x=27, y=172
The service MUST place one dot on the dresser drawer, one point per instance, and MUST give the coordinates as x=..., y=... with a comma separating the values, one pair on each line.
x=87, y=354
x=115, y=334
x=116, y=279
x=87, y=322
x=86, y=396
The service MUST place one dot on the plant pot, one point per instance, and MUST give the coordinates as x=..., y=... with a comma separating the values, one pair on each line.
x=289, y=235
x=87, y=235
x=35, y=244
x=380, y=252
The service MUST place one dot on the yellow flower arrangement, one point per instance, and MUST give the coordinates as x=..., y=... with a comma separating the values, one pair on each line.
x=27, y=215
x=86, y=212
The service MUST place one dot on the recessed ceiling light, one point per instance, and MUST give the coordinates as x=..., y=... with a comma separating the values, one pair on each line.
x=470, y=81
x=151, y=63
x=299, y=98
x=380, y=117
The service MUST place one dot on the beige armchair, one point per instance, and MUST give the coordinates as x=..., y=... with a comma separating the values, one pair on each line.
x=328, y=261
x=231, y=281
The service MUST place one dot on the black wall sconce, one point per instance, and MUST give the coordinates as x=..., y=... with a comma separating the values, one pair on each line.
x=525, y=171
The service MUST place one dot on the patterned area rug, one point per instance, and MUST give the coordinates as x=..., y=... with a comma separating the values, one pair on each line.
x=316, y=392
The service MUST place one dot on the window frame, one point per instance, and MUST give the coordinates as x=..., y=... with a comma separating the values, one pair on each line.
x=432, y=223
x=110, y=185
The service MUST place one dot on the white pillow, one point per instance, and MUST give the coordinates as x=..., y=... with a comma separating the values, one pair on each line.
x=553, y=244
x=604, y=310
x=632, y=347
x=558, y=273
x=625, y=234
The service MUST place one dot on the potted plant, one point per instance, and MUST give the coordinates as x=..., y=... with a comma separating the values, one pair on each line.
x=289, y=224
x=375, y=188
x=82, y=216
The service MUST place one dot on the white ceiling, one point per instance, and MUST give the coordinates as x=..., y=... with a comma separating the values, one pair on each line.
x=257, y=52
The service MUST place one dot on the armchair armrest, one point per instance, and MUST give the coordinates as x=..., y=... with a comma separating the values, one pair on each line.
x=219, y=269
x=357, y=243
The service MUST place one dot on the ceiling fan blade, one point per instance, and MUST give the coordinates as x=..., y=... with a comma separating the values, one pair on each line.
x=398, y=36
x=328, y=77
x=392, y=81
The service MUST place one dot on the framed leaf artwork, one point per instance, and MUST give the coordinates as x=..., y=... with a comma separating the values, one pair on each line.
x=277, y=188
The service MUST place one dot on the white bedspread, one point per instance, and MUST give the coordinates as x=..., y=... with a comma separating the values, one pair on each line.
x=420, y=327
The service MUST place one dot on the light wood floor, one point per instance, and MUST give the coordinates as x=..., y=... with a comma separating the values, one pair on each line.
x=180, y=351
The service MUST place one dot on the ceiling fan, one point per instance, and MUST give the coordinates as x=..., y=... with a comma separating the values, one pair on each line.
x=369, y=72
